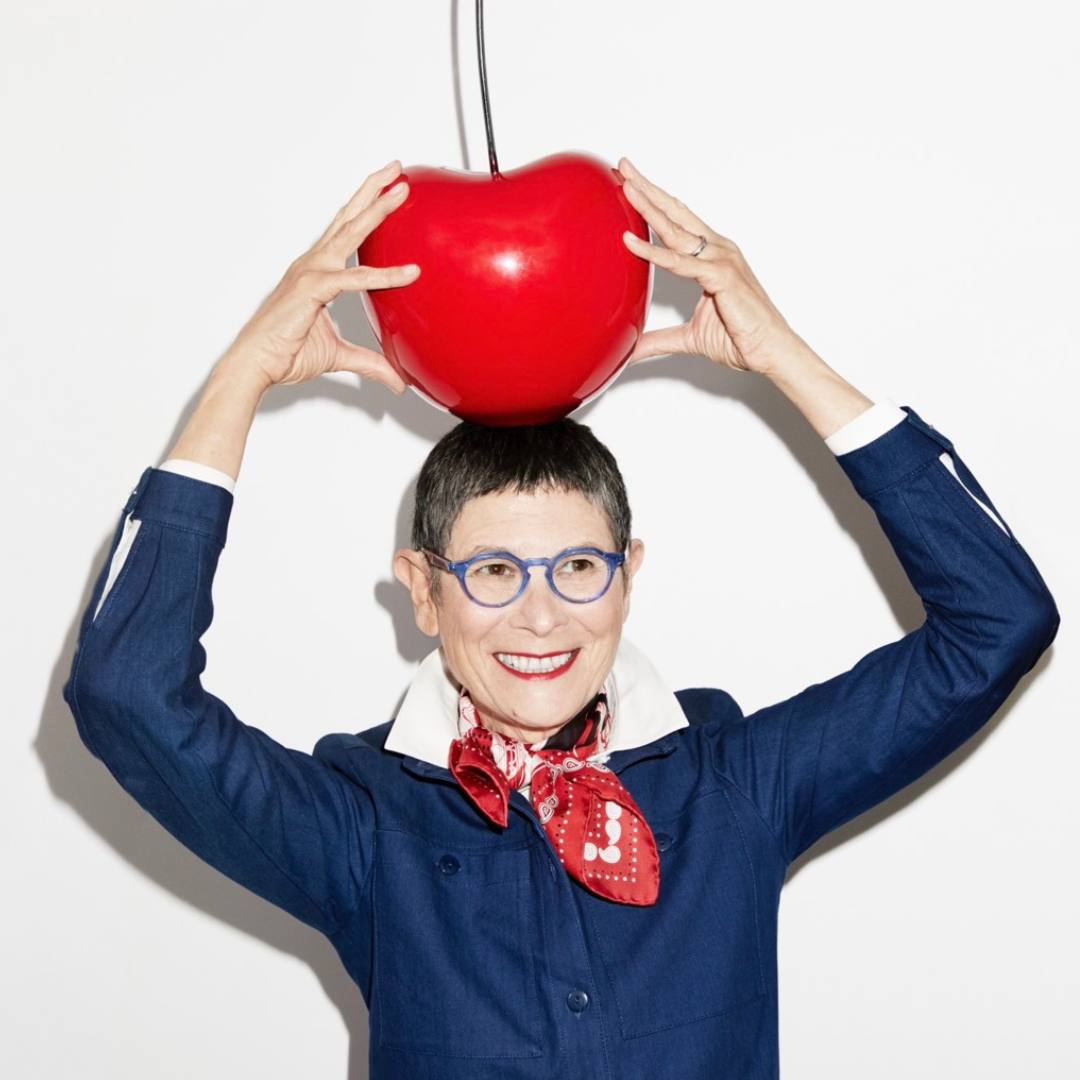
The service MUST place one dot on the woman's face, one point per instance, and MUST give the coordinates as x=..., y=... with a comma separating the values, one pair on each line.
x=486, y=649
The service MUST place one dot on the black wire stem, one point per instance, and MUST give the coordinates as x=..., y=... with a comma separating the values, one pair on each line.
x=493, y=159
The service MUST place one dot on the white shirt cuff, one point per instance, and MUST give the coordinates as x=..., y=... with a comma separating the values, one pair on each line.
x=194, y=471
x=866, y=427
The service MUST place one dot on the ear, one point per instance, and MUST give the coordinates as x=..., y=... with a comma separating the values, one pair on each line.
x=412, y=569
x=635, y=553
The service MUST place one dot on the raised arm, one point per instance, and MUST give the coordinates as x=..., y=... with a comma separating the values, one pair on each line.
x=811, y=763
x=278, y=821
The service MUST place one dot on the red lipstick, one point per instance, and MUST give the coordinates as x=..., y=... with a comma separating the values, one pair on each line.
x=535, y=675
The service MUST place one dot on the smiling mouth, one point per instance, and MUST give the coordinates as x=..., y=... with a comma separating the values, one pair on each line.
x=525, y=666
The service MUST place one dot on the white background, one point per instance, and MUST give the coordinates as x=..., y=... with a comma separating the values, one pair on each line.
x=903, y=178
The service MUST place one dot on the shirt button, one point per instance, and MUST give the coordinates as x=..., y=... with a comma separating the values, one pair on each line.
x=577, y=1001
x=663, y=841
x=449, y=865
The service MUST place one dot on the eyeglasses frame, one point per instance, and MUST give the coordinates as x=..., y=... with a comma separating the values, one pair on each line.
x=460, y=568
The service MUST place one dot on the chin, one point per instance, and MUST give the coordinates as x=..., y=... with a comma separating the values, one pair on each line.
x=541, y=713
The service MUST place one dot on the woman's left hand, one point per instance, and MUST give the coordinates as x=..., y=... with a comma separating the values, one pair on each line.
x=735, y=324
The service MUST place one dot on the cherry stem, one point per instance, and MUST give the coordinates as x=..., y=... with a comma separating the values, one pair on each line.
x=493, y=160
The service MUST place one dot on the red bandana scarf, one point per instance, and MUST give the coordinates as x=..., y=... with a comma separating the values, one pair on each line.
x=601, y=838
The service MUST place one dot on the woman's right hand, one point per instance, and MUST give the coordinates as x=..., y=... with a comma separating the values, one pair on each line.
x=292, y=338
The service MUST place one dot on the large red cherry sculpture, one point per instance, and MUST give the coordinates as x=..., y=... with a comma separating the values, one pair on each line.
x=528, y=302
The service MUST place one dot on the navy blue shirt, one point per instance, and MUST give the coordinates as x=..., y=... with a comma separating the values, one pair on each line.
x=475, y=953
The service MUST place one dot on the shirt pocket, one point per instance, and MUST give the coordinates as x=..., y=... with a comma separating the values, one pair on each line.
x=695, y=953
x=454, y=951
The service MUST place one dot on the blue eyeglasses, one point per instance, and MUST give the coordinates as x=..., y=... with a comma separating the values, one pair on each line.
x=497, y=578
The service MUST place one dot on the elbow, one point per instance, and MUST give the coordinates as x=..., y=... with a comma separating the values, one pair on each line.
x=1032, y=628
x=986, y=654
x=96, y=705
x=109, y=701
x=1017, y=629
x=86, y=708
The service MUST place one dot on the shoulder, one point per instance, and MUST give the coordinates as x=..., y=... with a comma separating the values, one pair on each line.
x=332, y=749
x=707, y=705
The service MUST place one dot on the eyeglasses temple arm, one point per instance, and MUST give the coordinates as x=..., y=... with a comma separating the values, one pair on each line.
x=437, y=561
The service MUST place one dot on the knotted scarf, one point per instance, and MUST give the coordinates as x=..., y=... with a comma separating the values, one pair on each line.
x=592, y=822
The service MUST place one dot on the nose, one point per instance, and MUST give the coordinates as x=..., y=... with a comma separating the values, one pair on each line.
x=538, y=609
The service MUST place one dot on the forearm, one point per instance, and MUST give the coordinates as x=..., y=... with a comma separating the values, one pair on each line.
x=826, y=400
x=217, y=432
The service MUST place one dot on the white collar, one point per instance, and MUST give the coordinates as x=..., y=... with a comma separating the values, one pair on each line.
x=643, y=707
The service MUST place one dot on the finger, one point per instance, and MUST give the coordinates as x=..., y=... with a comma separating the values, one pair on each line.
x=370, y=278
x=365, y=194
x=677, y=211
x=672, y=234
x=666, y=258
x=722, y=272
x=325, y=286
x=354, y=231
x=369, y=364
x=664, y=342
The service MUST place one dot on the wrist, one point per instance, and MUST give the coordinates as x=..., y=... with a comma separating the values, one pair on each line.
x=789, y=361
x=826, y=399
x=239, y=375
x=216, y=434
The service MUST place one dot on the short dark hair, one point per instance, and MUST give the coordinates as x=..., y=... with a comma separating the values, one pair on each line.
x=472, y=460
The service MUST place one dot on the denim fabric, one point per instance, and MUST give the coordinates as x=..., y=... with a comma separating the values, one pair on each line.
x=437, y=914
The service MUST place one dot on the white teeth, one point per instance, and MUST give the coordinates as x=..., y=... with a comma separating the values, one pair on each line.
x=534, y=665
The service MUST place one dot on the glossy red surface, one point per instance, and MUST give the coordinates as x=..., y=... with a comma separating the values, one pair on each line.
x=528, y=302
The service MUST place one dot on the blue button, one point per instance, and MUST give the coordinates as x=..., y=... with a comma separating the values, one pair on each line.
x=663, y=841
x=448, y=864
x=577, y=1001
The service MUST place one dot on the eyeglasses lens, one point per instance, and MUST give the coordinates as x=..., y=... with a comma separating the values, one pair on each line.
x=580, y=577
x=495, y=581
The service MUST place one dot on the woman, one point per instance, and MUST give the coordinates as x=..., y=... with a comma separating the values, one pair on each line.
x=548, y=862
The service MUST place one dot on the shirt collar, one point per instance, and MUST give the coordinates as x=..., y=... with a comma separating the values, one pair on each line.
x=643, y=706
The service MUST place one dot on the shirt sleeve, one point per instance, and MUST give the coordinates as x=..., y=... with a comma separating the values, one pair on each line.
x=130, y=528
x=273, y=819
x=866, y=427
x=878, y=420
x=195, y=470
x=813, y=762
